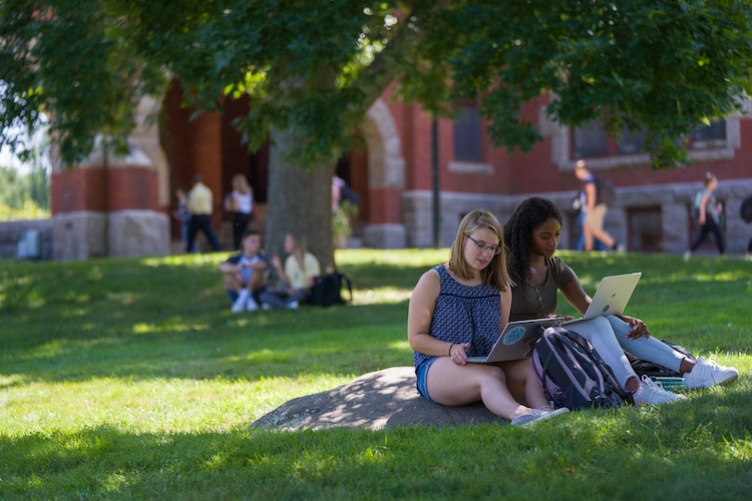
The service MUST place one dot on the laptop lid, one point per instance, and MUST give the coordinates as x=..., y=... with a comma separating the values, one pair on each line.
x=517, y=340
x=612, y=295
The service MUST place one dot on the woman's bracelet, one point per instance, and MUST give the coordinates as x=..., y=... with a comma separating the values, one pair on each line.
x=450, y=349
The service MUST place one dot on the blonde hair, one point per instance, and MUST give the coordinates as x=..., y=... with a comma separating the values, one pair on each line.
x=240, y=184
x=495, y=274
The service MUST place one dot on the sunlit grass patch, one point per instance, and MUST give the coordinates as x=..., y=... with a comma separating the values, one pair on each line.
x=135, y=381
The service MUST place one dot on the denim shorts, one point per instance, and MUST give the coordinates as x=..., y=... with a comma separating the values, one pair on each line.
x=421, y=373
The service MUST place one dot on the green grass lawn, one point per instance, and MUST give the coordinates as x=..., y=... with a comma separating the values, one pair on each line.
x=130, y=379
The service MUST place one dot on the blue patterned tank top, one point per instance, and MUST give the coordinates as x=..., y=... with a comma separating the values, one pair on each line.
x=465, y=314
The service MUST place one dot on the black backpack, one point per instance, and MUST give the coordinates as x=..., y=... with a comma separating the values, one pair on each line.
x=573, y=374
x=605, y=191
x=746, y=210
x=327, y=290
x=696, y=201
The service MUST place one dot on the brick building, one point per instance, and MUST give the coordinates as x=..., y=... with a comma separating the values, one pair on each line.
x=121, y=206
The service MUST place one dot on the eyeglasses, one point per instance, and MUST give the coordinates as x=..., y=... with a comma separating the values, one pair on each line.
x=484, y=247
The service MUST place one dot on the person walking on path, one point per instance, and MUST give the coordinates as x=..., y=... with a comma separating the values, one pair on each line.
x=200, y=203
x=595, y=207
x=746, y=214
x=705, y=209
x=183, y=215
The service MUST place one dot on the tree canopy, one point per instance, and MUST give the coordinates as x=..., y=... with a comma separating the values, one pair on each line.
x=313, y=67
x=316, y=65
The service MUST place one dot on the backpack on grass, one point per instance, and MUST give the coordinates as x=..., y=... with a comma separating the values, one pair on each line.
x=327, y=290
x=573, y=374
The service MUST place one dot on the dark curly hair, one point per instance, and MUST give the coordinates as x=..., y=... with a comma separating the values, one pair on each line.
x=530, y=214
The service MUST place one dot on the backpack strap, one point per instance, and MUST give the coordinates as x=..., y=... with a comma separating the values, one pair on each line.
x=604, y=368
x=347, y=282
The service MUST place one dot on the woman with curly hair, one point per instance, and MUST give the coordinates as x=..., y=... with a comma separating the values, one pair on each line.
x=532, y=234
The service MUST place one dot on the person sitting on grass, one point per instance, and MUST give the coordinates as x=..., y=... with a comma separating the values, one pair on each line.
x=244, y=273
x=459, y=309
x=533, y=233
x=296, y=278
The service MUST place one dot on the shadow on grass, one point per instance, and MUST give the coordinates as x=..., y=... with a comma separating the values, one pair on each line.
x=674, y=451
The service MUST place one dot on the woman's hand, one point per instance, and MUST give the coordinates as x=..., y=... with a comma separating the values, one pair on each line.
x=639, y=329
x=565, y=318
x=458, y=353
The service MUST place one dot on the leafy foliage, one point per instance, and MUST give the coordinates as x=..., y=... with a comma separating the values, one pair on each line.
x=70, y=59
x=665, y=67
x=316, y=66
x=24, y=196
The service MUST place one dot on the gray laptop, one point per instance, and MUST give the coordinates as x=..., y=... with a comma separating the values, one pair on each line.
x=611, y=297
x=517, y=340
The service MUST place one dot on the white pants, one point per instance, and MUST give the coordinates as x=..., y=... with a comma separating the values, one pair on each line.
x=601, y=335
x=608, y=335
x=650, y=349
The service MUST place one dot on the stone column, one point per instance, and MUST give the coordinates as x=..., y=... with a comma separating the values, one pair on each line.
x=674, y=221
x=108, y=206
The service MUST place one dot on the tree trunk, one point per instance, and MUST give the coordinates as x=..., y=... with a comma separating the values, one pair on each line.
x=300, y=201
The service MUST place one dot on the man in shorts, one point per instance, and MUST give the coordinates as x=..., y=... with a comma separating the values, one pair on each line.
x=244, y=273
x=595, y=210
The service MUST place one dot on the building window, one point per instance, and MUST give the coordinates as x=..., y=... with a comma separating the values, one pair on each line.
x=590, y=140
x=631, y=143
x=467, y=135
x=712, y=135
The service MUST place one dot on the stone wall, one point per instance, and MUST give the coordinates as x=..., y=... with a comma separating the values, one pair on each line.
x=672, y=200
x=140, y=233
x=11, y=232
x=81, y=235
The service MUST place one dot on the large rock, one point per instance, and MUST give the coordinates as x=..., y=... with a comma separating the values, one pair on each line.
x=383, y=399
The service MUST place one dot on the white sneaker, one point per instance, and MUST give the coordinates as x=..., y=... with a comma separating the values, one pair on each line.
x=537, y=415
x=292, y=305
x=708, y=373
x=652, y=393
x=265, y=306
x=251, y=305
x=239, y=304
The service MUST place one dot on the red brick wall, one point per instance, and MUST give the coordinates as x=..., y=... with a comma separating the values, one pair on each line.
x=104, y=190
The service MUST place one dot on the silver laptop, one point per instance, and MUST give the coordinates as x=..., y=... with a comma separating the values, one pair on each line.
x=517, y=340
x=611, y=297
